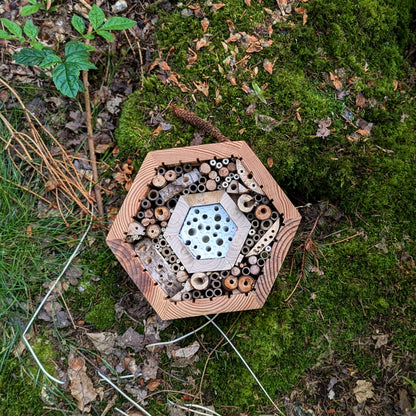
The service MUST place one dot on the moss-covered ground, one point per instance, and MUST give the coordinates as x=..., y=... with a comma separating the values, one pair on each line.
x=352, y=316
x=346, y=63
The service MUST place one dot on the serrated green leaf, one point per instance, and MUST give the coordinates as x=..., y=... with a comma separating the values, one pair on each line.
x=50, y=60
x=38, y=45
x=78, y=24
x=81, y=86
x=66, y=78
x=31, y=31
x=106, y=35
x=6, y=35
x=76, y=49
x=29, y=56
x=32, y=1
x=83, y=64
x=12, y=27
x=29, y=9
x=96, y=17
x=118, y=23
x=89, y=36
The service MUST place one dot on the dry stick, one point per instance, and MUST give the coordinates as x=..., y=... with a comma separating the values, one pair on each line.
x=196, y=121
x=90, y=133
x=303, y=259
x=357, y=234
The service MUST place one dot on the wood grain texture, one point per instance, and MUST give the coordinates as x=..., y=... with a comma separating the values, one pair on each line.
x=153, y=293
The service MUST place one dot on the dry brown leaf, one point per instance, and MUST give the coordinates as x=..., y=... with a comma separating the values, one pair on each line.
x=155, y=63
x=270, y=162
x=186, y=352
x=81, y=385
x=304, y=13
x=395, y=85
x=336, y=81
x=29, y=231
x=231, y=27
x=299, y=118
x=205, y=24
x=216, y=7
x=232, y=80
x=193, y=57
x=202, y=87
x=323, y=125
x=164, y=66
x=360, y=100
x=201, y=43
x=268, y=66
x=363, y=132
x=255, y=47
x=250, y=110
x=153, y=385
x=381, y=340
x=247, y=3
x=234, y=38
x=128, y=184
x=120, y=177
x=50, y=185
x=246, y=89
x=127, y=169
x=157, y=130
x=363, y=391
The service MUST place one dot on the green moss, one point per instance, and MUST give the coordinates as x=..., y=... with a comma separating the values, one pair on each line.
x=18, y=396
x=102, y=315
x=372, y=180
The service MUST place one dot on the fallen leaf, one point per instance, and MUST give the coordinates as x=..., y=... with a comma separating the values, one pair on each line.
x=103, y=341
x=186, y=352
x=192, y=57
x=157, y=130
x=246, y=89
x=234, y=38
x=250, y=109
x=51, y=185
x=304, y=13
x=336, y=81
x=131, y=339
x=268, y=66
x=153, y=385
x=323, y=125
x=81, y=385
x=216, y=7
x=360, y=100
x=299, y=118
x=149, y=370
x=255, y=47
x=266, y=123
x=381, y=340
x=270, y=162
x=231, y=27
x=247, y=3
x=364, y=127
x=201, y=43
x=202, y=87
x=363, y=391
x=164, y=66
x=127, y=169
x=395, y=85
x=232, y=80
x=197, y=140
x=205, y=24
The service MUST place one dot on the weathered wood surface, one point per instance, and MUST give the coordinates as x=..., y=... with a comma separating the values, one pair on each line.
x=138, y=191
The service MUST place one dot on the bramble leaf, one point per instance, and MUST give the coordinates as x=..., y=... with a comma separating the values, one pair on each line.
x=96, y=17
x=29, y=9
x=65, y=77
x=50, y=60
x=6, y=35
x=78, y=24
x=31, y=31
x=106, y=35
x=12, y=27
x=29, y=56
x=75, y=49
x=118, y=23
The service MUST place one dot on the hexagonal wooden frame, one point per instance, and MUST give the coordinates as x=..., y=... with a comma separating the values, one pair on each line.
x=206, y=306
x=175, y=224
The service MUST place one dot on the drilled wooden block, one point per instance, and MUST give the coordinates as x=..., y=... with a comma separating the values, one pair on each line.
x=213, y=232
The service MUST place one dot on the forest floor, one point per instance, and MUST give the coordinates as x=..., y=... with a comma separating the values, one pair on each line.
x=323, y=91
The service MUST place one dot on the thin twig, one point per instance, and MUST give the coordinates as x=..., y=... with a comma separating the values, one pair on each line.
x=357, y=234
x=90, y=133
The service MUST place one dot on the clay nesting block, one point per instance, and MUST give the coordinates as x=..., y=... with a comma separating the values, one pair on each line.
x=183, y=249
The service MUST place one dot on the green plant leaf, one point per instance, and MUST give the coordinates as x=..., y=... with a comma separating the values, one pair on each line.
x=32, y=1
x=65, y=77
x=12, y=27
x=50, y=60
x=38, y=45
x=31, y=31
x=96, y=17
x=78, y=24
x=106, y=35
x=30, y=56
x=118, y=23
x=89, y=36
x=75, y=49
x=259, y=92
x=29, y=9
x=6, y=35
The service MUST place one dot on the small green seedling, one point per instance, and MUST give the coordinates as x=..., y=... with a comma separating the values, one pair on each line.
x=413, y=384
x=34, y=6
x=66, y=66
